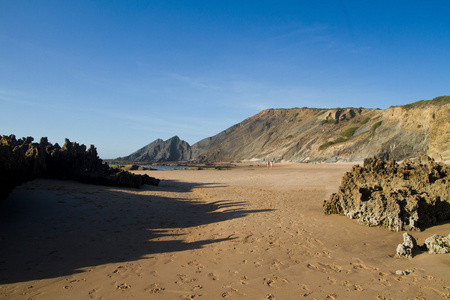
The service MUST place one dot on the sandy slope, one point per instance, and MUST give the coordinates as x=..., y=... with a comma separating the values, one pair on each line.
x=246, y=233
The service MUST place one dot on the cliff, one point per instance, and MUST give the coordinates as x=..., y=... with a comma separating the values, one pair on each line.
x=329, y=135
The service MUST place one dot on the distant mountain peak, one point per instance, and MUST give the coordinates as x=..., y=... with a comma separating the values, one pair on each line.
x=173, y=149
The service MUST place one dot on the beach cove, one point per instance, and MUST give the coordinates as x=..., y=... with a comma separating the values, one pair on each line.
x=243, y=233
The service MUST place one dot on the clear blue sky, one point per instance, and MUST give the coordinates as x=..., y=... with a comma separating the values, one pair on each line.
x=120, y=74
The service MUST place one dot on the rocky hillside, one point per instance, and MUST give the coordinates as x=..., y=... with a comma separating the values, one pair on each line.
x=173, y=149
x=320, y=135
x=348, y=134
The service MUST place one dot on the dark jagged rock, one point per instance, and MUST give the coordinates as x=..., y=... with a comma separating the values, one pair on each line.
x=406, y=196
x=22, y=160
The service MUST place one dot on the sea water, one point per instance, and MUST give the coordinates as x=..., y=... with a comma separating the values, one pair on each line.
x=160, y=167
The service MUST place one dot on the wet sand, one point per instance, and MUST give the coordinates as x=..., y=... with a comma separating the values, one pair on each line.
x=245, y=233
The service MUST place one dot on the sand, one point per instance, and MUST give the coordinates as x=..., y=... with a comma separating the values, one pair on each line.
x=245, y=233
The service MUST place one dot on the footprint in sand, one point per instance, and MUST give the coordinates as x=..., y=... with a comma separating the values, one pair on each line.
x=346, y=283
x=225, y=294
x=123, y=286
x=332, y=267
x=154, y=289
x=306, y=291
x=93, y=294
x=77, y=280
x=275, y=280
x=117, y=270
x=197, y=265
x=277, y=265
x=193, y=296
x=269, y=282
x=359, y=266
x=332, y=280
x=243, y=279
x=213, y=276
x=231, y=292
x=183, y=279
x=325, y=254
x=197, y=287
x=326, y=268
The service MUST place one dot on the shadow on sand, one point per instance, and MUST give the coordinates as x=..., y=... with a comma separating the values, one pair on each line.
x=51, y=228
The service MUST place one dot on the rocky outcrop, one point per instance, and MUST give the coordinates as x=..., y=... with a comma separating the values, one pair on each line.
x=437, y=244
x=408, y=246
x=406, y=196
x=172, y=149
x=22, y=160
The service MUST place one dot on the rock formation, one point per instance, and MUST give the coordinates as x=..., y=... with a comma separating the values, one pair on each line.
x=406, y=196
x=173, y=149
x=408, y=246
x=22, y=160
x=437, y=244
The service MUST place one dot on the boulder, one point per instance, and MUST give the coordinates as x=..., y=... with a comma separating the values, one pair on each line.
x=406, y=196
x=437, y=244
x=408, y=246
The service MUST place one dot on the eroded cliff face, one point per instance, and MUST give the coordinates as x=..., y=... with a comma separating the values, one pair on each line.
x=439, y=146
x=329, y=135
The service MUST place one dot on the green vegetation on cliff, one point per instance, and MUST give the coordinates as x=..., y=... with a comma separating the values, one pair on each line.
x=376, y=125
x=346, y=135
x=349, y=132
x=436, y=101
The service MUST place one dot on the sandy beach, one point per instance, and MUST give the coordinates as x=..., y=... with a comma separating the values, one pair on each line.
x=245, y=233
